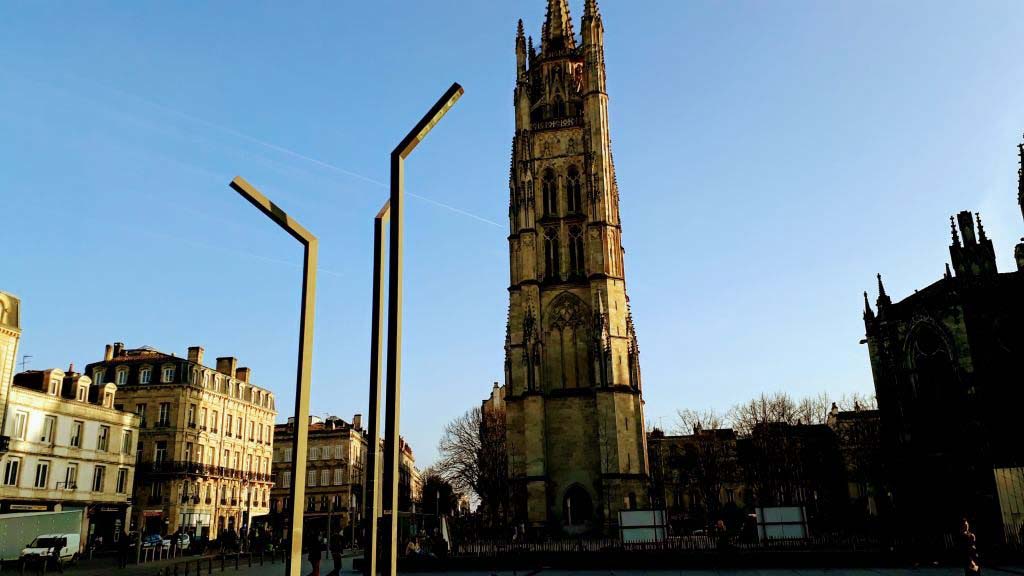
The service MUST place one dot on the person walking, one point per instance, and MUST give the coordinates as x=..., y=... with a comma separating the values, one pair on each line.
x=969, y=544
x=336, y=549
x=316, y=550
x=55, y=555
x=124, y=548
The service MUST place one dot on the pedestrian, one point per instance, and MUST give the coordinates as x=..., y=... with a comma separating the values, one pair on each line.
x=124, y=547
x=55, y=554
x=316, y=550
x=969, y=544
x=336, y=549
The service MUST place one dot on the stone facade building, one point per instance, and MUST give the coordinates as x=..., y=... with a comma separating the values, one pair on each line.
x=205, y=443
x=10, y=336
x=946, y=362
x=575, y=421
x=335, y=474
x=70, y=448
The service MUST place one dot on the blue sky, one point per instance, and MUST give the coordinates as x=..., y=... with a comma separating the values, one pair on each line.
x=772, y=157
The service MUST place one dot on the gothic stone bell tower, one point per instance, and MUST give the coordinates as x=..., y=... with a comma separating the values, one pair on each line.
x=575, y=420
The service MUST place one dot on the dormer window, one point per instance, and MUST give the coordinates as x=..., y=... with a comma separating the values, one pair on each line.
x=145, y=375
x=168, y=374
x=82, y=394
x=122, y=376
x=108, y=400
x=98, y=376
x=206, y=379
x=54, y=387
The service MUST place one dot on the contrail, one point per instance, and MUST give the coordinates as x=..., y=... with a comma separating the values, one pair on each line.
x=294, y=154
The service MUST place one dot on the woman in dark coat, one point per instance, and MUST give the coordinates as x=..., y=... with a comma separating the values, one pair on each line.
x=969, y=544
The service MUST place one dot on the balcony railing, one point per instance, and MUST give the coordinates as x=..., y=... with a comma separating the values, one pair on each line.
x=185, y=468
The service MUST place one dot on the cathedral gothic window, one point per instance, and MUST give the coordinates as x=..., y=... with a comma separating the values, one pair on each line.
x=550, y=190
x=573, y=191
x=577, y=257
x=566, y=344
x=551, y=269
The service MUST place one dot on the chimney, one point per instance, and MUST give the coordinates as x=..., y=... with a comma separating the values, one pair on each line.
x=195, y=354
x=357, y=421
x=227, y=365
x=108, y=353
x=118, y=349
x=243, y=374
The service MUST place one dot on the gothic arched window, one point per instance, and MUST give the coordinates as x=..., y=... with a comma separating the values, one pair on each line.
x=551, y=269
x=577, y=508
x=573, y=191
x=567, y=343
x=550, y=191
x=577, y=257
x=936, y=395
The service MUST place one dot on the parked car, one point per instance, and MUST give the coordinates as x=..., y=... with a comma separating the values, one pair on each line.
x=41, y=547
x=151, y=540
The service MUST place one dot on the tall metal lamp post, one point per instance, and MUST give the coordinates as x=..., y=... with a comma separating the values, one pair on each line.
x=305, y=366
x=394, y=211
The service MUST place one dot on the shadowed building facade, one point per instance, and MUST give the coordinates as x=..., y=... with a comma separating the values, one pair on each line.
x=574, y=410
x=946, y=362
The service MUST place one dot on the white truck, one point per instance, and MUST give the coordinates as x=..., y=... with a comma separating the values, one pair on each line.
x=18, y=529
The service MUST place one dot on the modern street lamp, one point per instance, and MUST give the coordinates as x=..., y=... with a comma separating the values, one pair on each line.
x=395, y=211
x=305, y=366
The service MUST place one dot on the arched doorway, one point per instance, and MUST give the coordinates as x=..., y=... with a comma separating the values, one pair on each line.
x=577, y=508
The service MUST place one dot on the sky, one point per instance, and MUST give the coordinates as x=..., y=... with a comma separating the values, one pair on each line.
x=772, y=157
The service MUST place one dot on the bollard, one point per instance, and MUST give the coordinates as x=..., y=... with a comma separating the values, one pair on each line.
x=261, y=557
x=237, y=554
x=250, y=559
x=222, y=561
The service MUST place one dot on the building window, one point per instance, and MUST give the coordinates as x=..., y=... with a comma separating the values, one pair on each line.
x=339, y=476
x=98, y=376
x=202, y=417
x=286, y=479
x=103, y=440
x=168, y=374
x=76, y=433
x=314, y=453
x=11, y=471
x=192, y=415
x=325, y=477
x=122, y=376
x=551, y=270
x=140, y=409
x=269, y=436
x=248, y=462
x=228, y=424
x=49, y=429
x=145, y=375
x=215, y=425
x=20, y=425
x=288, y=454
x=550, y=192
x=122, y=480
x=226, y=460
x=235, y=459
x=164, y=419
x=126, y=442
x=71, y=476
x=42, y=473
x=98, y=477
x=206, y=379
x=574, y=192
x=108, y=399
x=54, y=387
x=252, y=430
x=188, y=451
x=311, y=478
x=160, y=451
x=83, y=394
x=239, y=431
x=577, y=257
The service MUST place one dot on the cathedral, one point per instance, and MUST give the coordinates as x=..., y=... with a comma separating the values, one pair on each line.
x=573, y=403
x=946, y=362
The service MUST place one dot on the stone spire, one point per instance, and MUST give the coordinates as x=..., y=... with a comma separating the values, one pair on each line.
x=869, y=314
x=1020, y=178
x=557, y=31
x=520, y=51
x=981, y=229
x=883, y=298
x=952, y=227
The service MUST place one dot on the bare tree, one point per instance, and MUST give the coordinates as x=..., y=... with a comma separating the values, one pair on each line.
x=690, y=421
x=474, y=458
